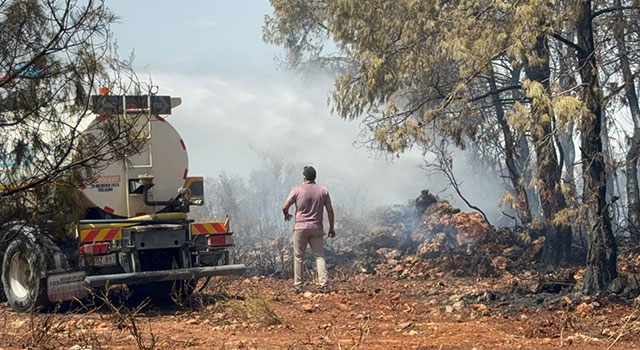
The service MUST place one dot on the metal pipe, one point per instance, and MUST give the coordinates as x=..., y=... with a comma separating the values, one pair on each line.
x=145, y=199
x=164, y=275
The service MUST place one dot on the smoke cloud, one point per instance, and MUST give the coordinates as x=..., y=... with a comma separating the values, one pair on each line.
x=236, y=125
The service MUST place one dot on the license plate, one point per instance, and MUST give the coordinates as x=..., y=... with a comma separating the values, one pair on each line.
x=103, y=260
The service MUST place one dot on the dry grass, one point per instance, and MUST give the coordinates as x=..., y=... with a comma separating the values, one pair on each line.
x=630, y=327
x=251, y=310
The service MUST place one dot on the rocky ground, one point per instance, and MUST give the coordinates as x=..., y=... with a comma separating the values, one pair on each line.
x=363, y=312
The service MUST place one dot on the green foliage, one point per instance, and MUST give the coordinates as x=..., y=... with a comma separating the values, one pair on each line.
x=299, y=28
x=418, y=69
x=419, y=63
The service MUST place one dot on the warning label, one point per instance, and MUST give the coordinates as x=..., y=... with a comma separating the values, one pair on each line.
x=107, y=179
x=66, y=286
x=105, y=183
x=105, y=187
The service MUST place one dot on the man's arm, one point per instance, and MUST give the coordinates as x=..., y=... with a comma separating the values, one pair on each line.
x=330, y=215
x=285, y=211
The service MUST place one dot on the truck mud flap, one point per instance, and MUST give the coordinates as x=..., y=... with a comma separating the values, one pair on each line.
x=164, y=275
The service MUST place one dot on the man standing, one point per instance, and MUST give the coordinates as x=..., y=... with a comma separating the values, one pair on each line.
x=310, y=200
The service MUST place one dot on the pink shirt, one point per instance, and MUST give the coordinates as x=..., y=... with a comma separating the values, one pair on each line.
x=310, y=199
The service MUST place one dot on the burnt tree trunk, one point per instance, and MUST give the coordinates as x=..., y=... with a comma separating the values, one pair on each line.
x=602, y=250
x=568, y=82
x=515, y=176
x=549, y=173
x=631, y=166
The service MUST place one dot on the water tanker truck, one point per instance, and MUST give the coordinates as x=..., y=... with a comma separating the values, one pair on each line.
x=134, y=229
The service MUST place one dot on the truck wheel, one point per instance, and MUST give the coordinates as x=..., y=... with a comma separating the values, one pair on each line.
x=22, y=275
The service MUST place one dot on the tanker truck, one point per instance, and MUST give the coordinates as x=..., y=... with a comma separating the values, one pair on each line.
x=134, y=229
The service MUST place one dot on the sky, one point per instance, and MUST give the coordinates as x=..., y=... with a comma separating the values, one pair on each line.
x=240, y=106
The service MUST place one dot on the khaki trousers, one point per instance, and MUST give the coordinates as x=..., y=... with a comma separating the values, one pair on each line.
x=314, y=238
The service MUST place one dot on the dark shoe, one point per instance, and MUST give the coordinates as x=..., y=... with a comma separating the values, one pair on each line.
x=325, y=290
x=297, y=290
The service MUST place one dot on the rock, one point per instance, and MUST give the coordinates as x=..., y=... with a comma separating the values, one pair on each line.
x=404, y=325
x=584, y=309
x=431, y=248
x=452, y=226
x=342, y=306
x=482, y=309
x=381, y=237
x=487, y=296
x=472, y=229
x=448, y=309
x=398, y=269
x=436, y=219
x=618, y=285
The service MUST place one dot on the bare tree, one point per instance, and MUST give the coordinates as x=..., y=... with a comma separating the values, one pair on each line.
x=54, y=54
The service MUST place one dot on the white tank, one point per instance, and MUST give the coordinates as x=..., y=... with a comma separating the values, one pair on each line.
x=116, y=189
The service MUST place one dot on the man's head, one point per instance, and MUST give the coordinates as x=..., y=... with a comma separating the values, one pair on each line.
x=309, y=173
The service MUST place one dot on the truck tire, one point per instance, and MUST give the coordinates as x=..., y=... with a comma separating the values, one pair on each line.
x=6, y=235
x=23, y=271
x=3, y=248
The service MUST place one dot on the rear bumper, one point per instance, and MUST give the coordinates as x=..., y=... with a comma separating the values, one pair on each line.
x=164, y=275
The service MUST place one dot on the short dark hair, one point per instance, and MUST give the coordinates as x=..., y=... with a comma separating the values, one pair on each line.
x=309, y=173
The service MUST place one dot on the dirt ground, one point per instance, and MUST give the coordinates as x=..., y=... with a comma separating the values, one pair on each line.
x=362, y=312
